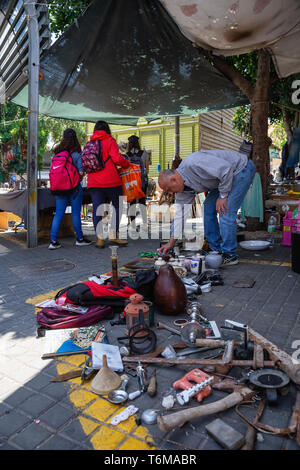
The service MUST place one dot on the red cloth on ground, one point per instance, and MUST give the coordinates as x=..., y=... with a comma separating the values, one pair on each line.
x=99, y=290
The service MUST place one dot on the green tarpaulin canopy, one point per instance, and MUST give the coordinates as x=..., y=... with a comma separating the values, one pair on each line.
x=123, y=60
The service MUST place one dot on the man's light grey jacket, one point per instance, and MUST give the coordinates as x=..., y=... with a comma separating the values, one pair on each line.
x=205, y=171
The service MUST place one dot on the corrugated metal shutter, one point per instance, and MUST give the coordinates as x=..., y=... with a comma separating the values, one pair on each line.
x=186, y=141
x=169, y=147
x=150, y=140
x=216, y=131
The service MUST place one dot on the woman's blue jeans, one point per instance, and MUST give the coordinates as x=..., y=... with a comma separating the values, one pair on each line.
x=221, y=235
x=101, y=196
x=75, y=200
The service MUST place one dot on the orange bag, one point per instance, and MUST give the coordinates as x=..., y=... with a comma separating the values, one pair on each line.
x=132, y=182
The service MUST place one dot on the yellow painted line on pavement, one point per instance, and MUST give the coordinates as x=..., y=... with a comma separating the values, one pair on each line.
x=96, y=411
x=270, y=263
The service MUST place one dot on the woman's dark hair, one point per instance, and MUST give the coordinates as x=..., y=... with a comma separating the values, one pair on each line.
x=69, y=142
x=102, y=126
x=133, y=143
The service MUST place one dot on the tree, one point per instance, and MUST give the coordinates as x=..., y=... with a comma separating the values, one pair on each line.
x=13, y=131
x=255, y=75
x=63, y=14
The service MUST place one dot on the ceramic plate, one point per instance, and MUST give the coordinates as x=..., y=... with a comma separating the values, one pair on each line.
x=255, y=245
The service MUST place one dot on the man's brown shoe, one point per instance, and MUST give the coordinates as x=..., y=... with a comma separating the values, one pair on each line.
x=117, y=241
x=100, y=243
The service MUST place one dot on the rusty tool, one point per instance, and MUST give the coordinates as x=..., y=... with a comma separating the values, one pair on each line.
x=151, y=390
x=194, y=361
x=162, y=326
x=284, y=360
x=178, y=419
x=67, y=376
x=251, y=431
x=196, y=376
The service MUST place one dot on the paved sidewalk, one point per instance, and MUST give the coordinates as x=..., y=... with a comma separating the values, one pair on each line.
x=38, y=414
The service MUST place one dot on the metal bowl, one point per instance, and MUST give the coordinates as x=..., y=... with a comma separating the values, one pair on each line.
x=255, y=245
x=117, y=396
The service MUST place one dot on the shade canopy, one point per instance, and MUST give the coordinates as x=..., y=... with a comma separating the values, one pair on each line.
x=122, y=60
x=231, y=27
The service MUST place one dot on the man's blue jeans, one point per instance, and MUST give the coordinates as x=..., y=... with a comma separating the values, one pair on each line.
x=75, y=200
x=221, y=235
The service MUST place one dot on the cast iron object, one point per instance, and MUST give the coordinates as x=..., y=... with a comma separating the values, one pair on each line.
x=141, y=339
x=269, y=380
x=169, y=292
x=191, y=332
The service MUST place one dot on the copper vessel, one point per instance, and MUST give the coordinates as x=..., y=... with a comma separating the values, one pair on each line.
x=169, y=292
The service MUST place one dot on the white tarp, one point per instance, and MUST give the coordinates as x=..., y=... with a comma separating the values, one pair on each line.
x=231, y=27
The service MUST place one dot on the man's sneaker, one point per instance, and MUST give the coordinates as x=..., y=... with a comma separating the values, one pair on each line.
x=83, y=242
x=229, y=260
x=54, y=245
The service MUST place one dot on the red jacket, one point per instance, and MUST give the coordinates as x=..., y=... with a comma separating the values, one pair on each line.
x=109, y=176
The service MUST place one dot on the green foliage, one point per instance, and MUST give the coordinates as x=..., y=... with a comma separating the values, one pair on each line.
x=246, y=64
x=241, y=122
x=277, y=133
x=13, y=131
x=63, y=14
x=54, y=129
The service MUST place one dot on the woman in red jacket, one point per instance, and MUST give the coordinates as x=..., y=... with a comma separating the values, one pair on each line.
x=105, y=186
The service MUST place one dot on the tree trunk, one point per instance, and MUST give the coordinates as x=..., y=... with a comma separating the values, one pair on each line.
x=259, y=118
x=287, y=125
x=258, y=96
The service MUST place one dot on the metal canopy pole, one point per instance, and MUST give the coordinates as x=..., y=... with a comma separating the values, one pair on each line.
x=177, y=135
x=33, y=108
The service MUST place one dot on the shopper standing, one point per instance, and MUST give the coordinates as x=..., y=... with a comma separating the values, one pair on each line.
x=105, y=186
x=69, y=144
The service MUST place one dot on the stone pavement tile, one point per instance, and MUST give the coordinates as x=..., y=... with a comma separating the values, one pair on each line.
x=269, y=442
x=101, y=409
x=4, y=408
x=56, y=416
x=7, y=446
x=134, y=444
x=39, y=382
x=296, y=331
x=58, y=442
x=7, y=387
x=209, y=444
x=30, y=437
x=182, y=439
x=56, y=390
x=291, y=444
x=19, y=396
x=16, y=370
x=79, y=429
x=12, y=421
x=50, y=368
x=107, y=438
x=36, y=404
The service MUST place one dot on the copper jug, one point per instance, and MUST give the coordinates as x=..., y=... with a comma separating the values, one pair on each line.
x=169, y=292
